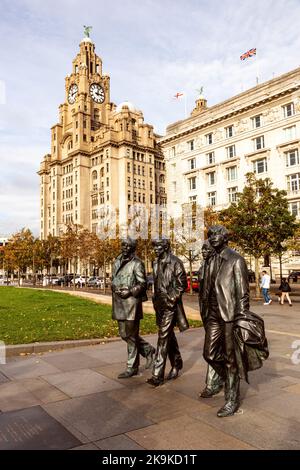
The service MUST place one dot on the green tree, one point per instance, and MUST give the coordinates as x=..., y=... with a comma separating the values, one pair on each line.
x=260, y=221
x=19, y=251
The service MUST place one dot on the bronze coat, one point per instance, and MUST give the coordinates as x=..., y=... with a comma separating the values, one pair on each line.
x=170, y=283
x=232, y=285
x=130, y=274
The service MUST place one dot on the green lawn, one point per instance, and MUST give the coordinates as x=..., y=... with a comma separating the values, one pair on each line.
x=28, y=315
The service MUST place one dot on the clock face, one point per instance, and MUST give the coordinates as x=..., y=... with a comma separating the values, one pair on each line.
x=97, y=93
x=73, y=90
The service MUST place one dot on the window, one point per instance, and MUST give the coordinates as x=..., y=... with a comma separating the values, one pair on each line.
x=192, y=183
x=292, y=157
x=294, y=208
x=231, y=173
x=293, y=182
x=288, y=110
x=211, y=177
x=191, y=145
x=229, y=131
x=232, y=194
x=209, y=139
x=128, y=167
x=256, y=121
x=290, y=133
x=259, y=143
x=192, y=163
x=230, y=151
x=260, y=166
x=210, y=157
x=211, y=198
x=193, y=199
x=173, y=153
x=94, y=175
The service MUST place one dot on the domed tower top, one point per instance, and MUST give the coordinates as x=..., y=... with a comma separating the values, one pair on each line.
x=201, y=103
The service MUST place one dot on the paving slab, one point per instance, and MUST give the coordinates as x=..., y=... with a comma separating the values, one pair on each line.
x=285, y=404
x=3, y=378
x=89, y=446
x=97, y=416
x=72, y=361
x=27, y=367
x=121, y=442
x=43, y=391
x=81, y=382
x=157, y=404
x=191, y=434
x=13, y=396
x=258, y=428
x=33, y=429
x=112, y=371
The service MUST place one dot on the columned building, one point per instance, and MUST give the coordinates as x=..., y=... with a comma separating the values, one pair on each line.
x=102, y=155
x=208, y=154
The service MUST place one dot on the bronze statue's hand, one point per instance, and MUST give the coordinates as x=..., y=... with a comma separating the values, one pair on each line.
x=124, y=293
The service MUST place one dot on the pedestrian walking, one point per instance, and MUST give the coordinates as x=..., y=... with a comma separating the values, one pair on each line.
x=265, y=286
x=285, y=289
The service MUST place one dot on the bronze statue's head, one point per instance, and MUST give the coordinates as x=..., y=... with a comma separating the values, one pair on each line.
x=161, y=246
x=207, y=250
x=128, y=246
x=217, y=236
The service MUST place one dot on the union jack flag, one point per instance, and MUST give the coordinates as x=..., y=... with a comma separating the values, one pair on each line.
x=248, y=54
x=178, y=95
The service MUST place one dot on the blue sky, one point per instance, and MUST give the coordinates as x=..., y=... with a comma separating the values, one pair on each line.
x=150, y=48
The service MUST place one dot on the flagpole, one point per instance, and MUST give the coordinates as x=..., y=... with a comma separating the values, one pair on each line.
x=257, y=69
x=185, y=106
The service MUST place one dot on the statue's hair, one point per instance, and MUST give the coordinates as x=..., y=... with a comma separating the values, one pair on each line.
x=219, y=229
x=130, y=241
x=207, y=243
x=162, y=241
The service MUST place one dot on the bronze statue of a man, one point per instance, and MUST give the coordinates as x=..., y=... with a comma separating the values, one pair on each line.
x=228, y=297
x=129, y=287
x=213, y=382
x=170, y=282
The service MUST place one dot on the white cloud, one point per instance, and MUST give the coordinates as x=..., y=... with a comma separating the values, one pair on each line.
x=151, y=49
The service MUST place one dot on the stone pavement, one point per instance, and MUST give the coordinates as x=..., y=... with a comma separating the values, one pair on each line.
x=72, y=399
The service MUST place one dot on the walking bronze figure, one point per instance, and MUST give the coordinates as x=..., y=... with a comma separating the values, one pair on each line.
x=129, y=287
x=170, y=282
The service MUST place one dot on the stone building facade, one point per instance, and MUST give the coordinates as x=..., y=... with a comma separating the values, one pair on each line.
x=102, y=155
x=208, y=154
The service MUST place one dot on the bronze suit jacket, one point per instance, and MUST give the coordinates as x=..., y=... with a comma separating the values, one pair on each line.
x=232, y=285
x=170, y=282
x=131, y=274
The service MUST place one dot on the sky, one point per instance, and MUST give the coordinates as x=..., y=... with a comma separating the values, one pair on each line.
x=151, y=49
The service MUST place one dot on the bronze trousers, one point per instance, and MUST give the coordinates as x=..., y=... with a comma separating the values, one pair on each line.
x=167, y=346
x=136, y=345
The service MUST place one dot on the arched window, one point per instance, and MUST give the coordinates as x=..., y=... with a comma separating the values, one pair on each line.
x=161, y=179
x=94, y=175
x=102, y=172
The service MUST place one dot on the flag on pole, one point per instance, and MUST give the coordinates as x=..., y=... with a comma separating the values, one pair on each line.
x=178, y=95
x=248, y=54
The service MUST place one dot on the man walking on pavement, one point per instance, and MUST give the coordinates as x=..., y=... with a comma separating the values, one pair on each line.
x=265, y=286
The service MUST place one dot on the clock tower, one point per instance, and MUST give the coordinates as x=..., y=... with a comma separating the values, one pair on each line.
x=101, y=154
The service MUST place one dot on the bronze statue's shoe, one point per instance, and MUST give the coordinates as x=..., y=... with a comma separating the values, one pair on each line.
x=173, y=374
x=208, y=392
x=155, y=381
x=150, y=359
x=128, y=373
x=228, y=409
